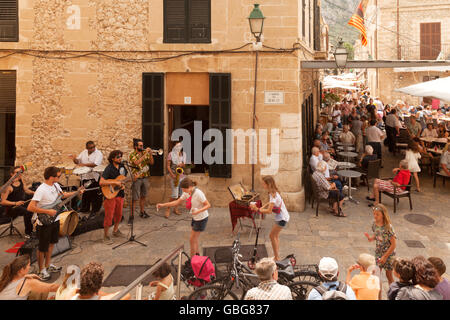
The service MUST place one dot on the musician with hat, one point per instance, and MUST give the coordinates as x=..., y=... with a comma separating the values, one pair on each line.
x=90, y=157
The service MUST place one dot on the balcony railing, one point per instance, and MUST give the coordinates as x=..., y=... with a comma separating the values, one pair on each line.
x=418, y=52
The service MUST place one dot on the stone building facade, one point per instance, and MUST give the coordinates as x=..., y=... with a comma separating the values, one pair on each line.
x=383, y=18
x=80, y=67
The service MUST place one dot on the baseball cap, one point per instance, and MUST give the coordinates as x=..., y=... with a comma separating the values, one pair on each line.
x=328, y=267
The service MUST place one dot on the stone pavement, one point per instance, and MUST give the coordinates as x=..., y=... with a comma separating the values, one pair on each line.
x=307, y=236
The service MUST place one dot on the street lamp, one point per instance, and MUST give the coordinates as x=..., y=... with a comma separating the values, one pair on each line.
x=256, y=21
x=340, y=55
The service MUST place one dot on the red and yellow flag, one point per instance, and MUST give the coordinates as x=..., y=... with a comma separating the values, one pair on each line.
x=357, y=21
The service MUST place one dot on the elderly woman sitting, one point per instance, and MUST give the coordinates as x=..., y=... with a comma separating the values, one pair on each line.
x=366, y=157
x=328, y=190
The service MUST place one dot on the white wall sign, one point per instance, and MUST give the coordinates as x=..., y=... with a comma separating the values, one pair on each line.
x=187, y=100
x=273, y=97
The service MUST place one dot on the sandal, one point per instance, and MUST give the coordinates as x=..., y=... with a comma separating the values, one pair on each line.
x=336, y=214
x=342, y=214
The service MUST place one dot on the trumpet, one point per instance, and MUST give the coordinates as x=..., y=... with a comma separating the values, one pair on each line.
x=179, y=171
x=158, y=152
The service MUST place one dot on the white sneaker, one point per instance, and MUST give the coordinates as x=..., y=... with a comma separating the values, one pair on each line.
x=53, y=268
x=44, y=275
x=345, y=188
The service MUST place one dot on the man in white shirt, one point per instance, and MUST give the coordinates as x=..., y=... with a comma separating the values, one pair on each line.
x=374, y=137
x=46, y=194
x=269, y=288
x=316, y=156
x=347, y=136
x=336, y=115
x=91, y=157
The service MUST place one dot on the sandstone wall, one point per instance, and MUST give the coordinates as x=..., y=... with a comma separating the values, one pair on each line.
x=62, y=103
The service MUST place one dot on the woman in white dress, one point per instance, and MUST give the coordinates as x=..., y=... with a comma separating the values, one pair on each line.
x=413, y=156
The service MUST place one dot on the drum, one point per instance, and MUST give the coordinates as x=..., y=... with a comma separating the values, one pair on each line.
x=99, y=169
x=68, y=169
x=68, y=223
x=82, y=170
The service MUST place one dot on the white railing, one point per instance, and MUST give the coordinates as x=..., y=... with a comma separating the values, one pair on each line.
x=137, y=283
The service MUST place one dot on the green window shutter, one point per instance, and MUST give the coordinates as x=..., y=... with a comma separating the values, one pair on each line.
x=9, y=21
x=8, y=91
x=153, y=117
x=220, y=118
x=199, y=21
x=175, y=21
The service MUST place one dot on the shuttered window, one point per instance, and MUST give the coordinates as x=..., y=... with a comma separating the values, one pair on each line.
x=220, y=118
x=7, y=91
x=304, y=18
x=316, y=26
x=430, y=40
x=153, y=117
x=187, y=21
x=9, y=21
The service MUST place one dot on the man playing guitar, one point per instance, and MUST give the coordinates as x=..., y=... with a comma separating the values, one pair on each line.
x=90, y=157
x=46, y=194
x=141, y=160
x=13, y=198
x=113, y=207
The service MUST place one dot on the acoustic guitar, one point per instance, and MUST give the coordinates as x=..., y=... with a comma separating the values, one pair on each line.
x=111, y=191
x=11, y=180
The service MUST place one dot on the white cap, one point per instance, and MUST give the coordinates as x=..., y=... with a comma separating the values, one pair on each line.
x=328, y=267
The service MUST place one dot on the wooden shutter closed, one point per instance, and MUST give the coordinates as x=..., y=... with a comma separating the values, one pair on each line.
x=199, y=21
x=153, y=117
x=220, y=118
x=316, y=26
x=8, y=91
x=175, y=21
x=430, y=40
x=9, y=21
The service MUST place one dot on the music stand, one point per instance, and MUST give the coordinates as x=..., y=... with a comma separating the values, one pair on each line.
x=132, y=236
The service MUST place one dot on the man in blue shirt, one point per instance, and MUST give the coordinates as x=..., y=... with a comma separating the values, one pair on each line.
x=329, y=272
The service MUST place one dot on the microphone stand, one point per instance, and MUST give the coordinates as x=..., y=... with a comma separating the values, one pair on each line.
x=132, y=236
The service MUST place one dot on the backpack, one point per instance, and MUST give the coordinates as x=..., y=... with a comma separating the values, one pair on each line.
x=338, y=294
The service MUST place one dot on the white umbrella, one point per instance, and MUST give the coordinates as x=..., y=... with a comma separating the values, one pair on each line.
x=438, y=89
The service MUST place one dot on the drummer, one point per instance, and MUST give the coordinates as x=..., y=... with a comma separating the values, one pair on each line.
x=90, y=157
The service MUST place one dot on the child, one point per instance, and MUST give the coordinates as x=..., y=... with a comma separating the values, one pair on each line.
x=412, y=156
x=404, y=271
x=385, y=240
x=275, y=205
x=164, y=286
x=199, y=206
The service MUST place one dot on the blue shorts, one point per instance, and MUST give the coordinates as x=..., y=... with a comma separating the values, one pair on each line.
x=281, y=223
x=199, y=226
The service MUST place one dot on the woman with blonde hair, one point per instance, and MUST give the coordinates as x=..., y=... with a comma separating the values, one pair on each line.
x=385, y=237
x=275, y=205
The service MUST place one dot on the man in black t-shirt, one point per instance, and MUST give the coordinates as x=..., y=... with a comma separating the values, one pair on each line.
x=113, y=207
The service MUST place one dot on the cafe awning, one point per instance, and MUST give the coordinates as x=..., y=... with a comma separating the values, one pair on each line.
x=438, y=89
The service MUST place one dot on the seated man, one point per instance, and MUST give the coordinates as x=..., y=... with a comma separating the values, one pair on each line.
x=402, y=177
x=329, y=272
x=316, y=156
x=414, y=128
x=347, y=136
x=91, y=282
x=269, y=288
x=330, y=172
x=445, y=161
x=365, y=285
x=326, y=144
x=366, y=157
x=328, y=190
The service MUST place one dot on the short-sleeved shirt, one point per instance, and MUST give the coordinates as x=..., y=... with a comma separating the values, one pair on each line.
x=402, y=178
x=445, y=159
x=392, y=121
x=429, y=133
x=414, y=128
x=143, y=167
x=356, y=127
x=95, y=157
x=366, y=286
x=322, y=184
x=314, y=160
x=348, y=137
x=269, y=290
x=279, y=203
x=374, y=134
x=315, y=295
x=337, y=116
x=443, y=288
x=198, y=198
x=46, y=195
x=111, y=172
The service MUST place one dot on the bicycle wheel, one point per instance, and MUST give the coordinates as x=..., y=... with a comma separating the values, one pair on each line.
x=212, y=292
x=301, y=289
x=309, y=276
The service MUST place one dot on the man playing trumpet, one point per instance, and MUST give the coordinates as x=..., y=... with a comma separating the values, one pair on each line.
x=140, y=161
x=176, y=161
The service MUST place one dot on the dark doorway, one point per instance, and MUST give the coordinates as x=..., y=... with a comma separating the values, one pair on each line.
x=183, y=117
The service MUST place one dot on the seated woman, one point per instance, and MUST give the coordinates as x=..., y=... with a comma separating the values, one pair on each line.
x=429, y=131
x=402, y=177
x=91, y=282
x=328, y=190
x=366, y=157
x=442, y=131
x=164, y=286
x=17, y=284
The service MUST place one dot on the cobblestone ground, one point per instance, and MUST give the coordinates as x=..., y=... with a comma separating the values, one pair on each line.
x=307, y=236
